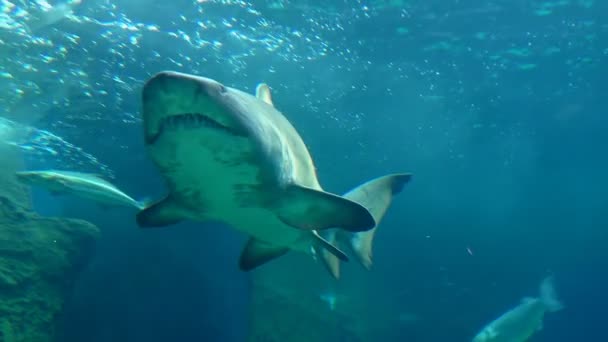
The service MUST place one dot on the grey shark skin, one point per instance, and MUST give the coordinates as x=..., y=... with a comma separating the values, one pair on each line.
x=232, y=157
x=83, y=185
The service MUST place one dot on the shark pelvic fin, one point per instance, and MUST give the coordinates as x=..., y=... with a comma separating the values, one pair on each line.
x=257, y=253
x=262, y=92
x=159, y=214
x=310, y=209
x=331, y=260
x=328, y=246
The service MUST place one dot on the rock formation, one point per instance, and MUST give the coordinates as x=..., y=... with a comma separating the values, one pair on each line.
x=40, y=259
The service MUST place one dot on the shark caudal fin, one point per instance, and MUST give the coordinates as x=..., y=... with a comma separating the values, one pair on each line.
x=376, y=196
x=548, y=296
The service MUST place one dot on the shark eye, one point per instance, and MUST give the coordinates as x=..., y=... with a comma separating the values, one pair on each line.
x=222, y=89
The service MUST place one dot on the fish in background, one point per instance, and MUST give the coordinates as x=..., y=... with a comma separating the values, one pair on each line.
x=50, y=15
x=83, y=185
x=330, y=298
x=523, y=321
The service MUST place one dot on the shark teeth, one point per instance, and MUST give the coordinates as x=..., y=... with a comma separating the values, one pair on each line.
x=185, y=121
x=189, y=120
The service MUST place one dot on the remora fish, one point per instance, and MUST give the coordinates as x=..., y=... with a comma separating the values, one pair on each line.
x=521, y=322
x=376, y=195
x=232, y=157
x=84, y=185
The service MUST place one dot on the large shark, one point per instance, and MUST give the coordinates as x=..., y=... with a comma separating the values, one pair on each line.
x=232, y=157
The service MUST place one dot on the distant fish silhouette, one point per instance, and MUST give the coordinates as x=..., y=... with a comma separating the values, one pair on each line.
x=51, y=15
x=521, y=322
x=79, y=184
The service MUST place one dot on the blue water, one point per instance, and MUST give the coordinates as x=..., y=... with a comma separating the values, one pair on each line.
x=498, y=109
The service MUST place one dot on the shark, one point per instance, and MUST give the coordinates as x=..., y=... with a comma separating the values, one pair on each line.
x=84, y=185
x=230, y=156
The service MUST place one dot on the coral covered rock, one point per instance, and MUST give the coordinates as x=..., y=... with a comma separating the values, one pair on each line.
x=40, y=259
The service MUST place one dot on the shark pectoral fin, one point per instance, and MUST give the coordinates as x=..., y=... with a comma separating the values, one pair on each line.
x=159, y=214
x=309, y=209
x=331, y=261
x=262, y=92
x=257, y=253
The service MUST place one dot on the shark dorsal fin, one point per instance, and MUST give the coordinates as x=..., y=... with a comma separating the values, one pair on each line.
x=262, y=92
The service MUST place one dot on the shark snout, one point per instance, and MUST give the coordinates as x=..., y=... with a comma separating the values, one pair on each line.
x=181, y=85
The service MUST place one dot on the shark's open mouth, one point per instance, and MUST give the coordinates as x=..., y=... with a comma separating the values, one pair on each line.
x=188, y=121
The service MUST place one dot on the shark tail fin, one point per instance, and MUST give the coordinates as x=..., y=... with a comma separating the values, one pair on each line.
x=376, y=195
x=548, y=296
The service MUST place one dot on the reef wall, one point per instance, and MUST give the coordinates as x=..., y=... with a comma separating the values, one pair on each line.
x=40, y=259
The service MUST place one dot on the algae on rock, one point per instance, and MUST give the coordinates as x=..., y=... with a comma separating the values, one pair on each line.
x=40, y=259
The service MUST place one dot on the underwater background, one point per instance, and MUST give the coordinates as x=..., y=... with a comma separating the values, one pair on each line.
x=497, y=108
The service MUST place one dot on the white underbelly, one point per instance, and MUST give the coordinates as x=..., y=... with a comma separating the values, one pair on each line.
x=263, y=225
x=223, y=184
